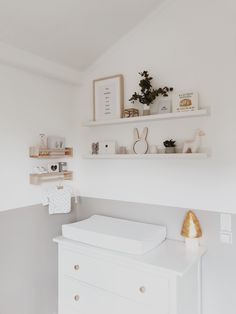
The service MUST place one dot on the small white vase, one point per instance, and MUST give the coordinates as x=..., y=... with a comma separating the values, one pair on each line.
x=146, y=110
x=153, y=149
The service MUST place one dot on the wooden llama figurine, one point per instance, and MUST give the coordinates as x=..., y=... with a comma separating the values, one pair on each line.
x=192, y=146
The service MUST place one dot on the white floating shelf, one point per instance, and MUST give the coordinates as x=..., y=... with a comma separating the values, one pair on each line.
x=146, y=156
x=154, y=117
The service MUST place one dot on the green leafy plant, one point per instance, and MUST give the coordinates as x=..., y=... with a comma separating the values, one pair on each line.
x=169, y=143
x=147, y=93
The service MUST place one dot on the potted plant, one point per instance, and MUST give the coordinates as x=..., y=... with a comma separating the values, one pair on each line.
x=147, y=93
x=169, y=146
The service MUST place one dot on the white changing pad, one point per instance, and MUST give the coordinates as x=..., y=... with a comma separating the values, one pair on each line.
x=116, y=234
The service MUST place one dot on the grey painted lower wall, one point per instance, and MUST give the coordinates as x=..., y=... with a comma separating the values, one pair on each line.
x=28, y=258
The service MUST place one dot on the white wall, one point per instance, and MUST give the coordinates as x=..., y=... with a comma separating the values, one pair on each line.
x=29, y=104
x=190, y=45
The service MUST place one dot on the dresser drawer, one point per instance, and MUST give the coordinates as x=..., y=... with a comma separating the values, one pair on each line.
x=139, y=286
x=77, y=297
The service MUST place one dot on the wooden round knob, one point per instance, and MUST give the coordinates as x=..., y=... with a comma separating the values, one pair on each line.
x=76, y=297
x=76, y=267
x=142, y=289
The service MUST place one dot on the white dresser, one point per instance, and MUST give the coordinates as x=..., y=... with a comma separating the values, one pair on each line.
x=166, y=280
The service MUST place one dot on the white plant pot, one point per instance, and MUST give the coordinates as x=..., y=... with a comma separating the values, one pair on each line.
x=170, y=150
x=146, y=110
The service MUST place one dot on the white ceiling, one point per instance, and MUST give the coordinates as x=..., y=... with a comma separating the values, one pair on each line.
x=69, y=32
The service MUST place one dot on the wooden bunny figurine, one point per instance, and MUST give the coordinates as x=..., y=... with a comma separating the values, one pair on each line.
x=192, y=146
x=140, y=145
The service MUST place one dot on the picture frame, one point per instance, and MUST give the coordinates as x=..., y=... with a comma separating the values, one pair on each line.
x=164, y=105
x=108, y=97
x=53, y=167
x=185, y=101
x=56, y=142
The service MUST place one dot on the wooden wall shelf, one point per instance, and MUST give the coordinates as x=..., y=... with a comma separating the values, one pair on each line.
x=37, y=178
x=36, y=152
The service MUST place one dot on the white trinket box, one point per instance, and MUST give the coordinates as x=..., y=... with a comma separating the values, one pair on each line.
x=107, y=147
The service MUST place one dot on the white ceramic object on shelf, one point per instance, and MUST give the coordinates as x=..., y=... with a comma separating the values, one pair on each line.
x=146, y=110
x=192, y=146
x=153, y=149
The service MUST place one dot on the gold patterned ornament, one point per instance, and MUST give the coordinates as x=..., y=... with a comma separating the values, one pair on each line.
x=191, y=230
x=129, y=113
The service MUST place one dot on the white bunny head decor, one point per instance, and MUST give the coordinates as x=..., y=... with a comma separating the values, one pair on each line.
x=140, y=145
